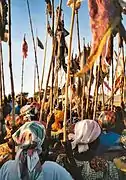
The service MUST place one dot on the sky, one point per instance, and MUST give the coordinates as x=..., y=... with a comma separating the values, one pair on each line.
x=21, y=26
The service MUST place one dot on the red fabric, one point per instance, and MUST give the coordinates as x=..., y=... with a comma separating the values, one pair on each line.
x=25, y=49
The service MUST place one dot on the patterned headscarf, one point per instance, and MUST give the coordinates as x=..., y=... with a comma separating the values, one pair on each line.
x=86, y=131
x=29, y=139
x=107, y=120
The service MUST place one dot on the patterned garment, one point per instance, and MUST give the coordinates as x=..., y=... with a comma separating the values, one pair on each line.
x=29, y=139
x=5, y=153
x=107, y=120
x=109, y=173
x=105, y=16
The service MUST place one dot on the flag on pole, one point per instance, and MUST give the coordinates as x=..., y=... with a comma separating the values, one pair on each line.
x=40, y=43
x=105, y=16
x=25, y=48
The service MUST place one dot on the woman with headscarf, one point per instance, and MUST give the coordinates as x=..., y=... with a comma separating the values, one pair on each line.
x=27, y=166
x=109, y=139
x=85, y=141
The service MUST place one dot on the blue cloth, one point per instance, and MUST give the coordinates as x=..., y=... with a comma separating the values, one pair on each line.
x=108, y=141
x=50, y=171
x=17, y=110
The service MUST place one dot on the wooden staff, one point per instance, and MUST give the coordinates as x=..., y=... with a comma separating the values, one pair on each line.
x=45, y=50
x=123, y=83
x=79, y=50
x=68, y=69
x=112, y=100
x=78, y=32
x=22, y=80
x=34, y=80
x=53, y=63
x=2, y=72
x=11, y=75
x=103, y=95
x=96, y=90
x=50, y=67
x=83, y=80
x=10, y=65
x=89, y=90
x=35, y=53
x=1, y=110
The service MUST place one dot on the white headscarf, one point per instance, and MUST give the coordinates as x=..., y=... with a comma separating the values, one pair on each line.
x=86, y=131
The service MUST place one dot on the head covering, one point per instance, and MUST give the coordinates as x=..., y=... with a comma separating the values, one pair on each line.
x=86, y=131
x=107, y=120
x=29, y=139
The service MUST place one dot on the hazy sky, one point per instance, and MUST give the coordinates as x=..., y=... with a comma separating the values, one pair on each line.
x=20, y=25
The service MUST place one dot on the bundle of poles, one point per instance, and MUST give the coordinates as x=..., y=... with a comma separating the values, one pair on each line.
x=53, y=73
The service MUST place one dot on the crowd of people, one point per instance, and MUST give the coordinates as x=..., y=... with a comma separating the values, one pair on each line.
x=33, y=150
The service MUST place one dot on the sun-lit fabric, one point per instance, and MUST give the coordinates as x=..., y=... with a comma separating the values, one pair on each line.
x=70, y=3
x=104, y=17
x=106, y=55
x=86, y=131
x=59, y=117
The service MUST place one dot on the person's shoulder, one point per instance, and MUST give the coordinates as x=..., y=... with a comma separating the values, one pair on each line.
x=6, y=169
x=56, y=170
x=51, y=164
x=8, y=163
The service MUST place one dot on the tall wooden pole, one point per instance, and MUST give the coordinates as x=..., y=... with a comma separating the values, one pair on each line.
x=78, y=32
x=53, y=64
x=2, y=71
x=79, y=51
x=45, y=51
x=34, y=80
x=83, y=61
x=35, y=53
x=103, y=96
x=52, y=58
x=11, y=75
x=10, y=64
x=123, y=58
x=89, y=90
x=112, y=100
x=22, y=79
x=1, y=110
x=96, y=90
x=68, y=69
